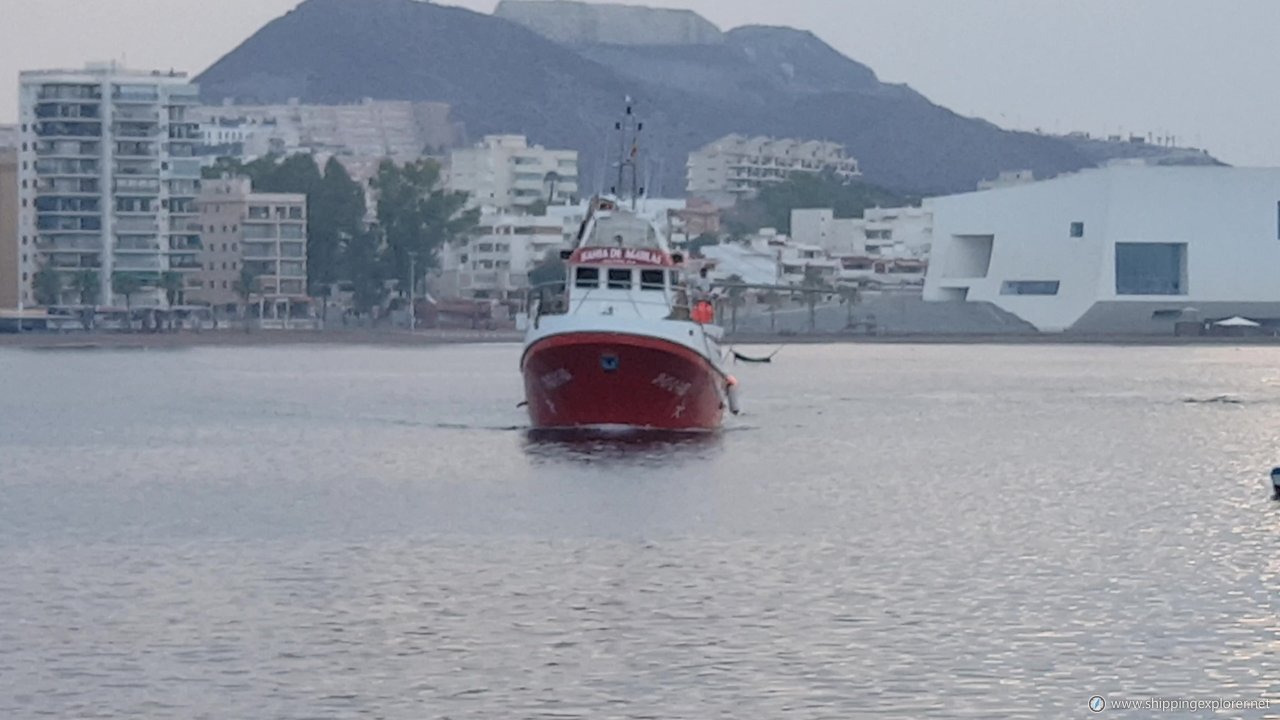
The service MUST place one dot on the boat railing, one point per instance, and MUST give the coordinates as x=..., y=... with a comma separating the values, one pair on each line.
x=552, y=298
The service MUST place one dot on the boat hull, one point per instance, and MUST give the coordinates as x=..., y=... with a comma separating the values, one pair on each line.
x=600, y=379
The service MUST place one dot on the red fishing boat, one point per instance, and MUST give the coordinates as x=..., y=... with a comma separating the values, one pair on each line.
x=621, y=345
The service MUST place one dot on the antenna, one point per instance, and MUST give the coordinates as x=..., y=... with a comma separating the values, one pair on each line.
x=629, y=129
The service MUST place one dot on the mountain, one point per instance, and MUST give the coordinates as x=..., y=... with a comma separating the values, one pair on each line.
x=556, y=82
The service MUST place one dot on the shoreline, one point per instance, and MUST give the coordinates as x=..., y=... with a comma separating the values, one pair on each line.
x=427, y=338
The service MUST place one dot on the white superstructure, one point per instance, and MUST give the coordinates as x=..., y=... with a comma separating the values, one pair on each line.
x=1130, y=249
x=109, y=176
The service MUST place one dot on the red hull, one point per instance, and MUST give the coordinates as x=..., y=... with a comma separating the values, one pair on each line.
x=606, y=379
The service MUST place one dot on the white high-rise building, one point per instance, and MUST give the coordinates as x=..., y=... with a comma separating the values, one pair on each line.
x=506, y=173
x=109, y=178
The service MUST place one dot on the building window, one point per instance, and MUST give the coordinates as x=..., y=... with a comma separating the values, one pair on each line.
x=652, y=280
x=234, y=246
x=588, y=277
x=1151, y=268
x=212, y=284
x=1030, y=287
x=1077, y=229
x=619, y=279
x=24, y=277
x=224, y=284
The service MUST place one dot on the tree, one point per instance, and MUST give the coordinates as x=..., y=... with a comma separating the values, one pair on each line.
x=245, y=286
x=416, y=216
x=737, y=298
x=47, y=284
x=335, y=213
x=850, y=294
x=362, y=259
x=128, y=285
x=551, y=270
x=88, y=287
x=173, y=283
x=774, y=300
x=815, y=285
x=551, y=180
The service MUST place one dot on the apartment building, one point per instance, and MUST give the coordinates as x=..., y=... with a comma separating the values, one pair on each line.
x=376, y=129
x=108, y=178
x=264, y=234
x=505, y=173
x=496, y=261
x=11, y=251
x=737, y=166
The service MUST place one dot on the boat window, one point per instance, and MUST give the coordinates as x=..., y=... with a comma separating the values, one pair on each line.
x=588, y=277
x=652, y=280
x=619, y=279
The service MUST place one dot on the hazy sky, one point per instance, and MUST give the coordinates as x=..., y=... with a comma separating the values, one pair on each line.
x=1203, y=70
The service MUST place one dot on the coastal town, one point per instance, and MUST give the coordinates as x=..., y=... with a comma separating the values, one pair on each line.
x=128, y=202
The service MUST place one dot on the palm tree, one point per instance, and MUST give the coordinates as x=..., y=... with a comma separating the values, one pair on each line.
x=126, y=284
x=737, y=298
x=774, y=301
x=246, y=286
x=851, y=295
x=551, y=179
x=88, y=286
x=173, y=283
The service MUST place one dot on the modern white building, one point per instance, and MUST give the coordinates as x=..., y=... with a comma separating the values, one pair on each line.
x=505, y=173
x=737, y=166
x=1123, y=249
x=109, y=177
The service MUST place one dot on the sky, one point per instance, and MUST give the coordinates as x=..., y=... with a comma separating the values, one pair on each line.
x=1204, y=71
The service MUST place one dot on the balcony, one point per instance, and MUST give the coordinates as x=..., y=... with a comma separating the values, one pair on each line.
x=137, y=186
x=67, y=168
x=137, y=245
x=259, y=251
x=64, y=244
x=136, y=130
x=136, y=114
x=69, y=92
x=137, y=263
x=184, y=263
x=63, y=186
x=75, y=262
x=137, y=169
x=77, y=149
x=123, y=95
x=137, y=226
x=185, y=244
x=136, y=150
x=67, y=111
x=69, y=129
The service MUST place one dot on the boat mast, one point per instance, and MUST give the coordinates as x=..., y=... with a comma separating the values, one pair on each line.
x=629, y=153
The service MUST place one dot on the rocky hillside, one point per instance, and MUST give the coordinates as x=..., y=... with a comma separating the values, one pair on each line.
x=692, y=85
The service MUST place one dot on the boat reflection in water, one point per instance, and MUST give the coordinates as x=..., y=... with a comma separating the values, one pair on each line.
x=657, y=447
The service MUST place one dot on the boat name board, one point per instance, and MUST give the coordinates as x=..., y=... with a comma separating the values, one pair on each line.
x=623, y=256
